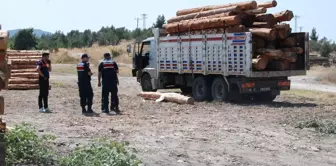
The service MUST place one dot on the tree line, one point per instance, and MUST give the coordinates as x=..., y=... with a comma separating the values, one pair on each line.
x=109, y=35
x=323, y=46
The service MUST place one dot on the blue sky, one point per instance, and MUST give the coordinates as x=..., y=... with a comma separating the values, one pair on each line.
x=66, y=15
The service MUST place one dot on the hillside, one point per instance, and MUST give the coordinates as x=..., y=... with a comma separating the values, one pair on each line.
x=37, y=32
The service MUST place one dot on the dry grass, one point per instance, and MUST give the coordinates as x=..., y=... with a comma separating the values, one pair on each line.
x=316, y=96
x=324, y=74
x=70, y=56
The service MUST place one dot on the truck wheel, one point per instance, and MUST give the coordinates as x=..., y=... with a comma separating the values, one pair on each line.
x=186, y=90
x=265, y=97
x=219, y=90
x=201, y=89
x=146, y=83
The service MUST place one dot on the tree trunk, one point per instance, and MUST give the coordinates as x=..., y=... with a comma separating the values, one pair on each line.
x=269, y=4
x=288, y=42
x=270, y=53
x=229, y=11
x=284, y=16
x=202, y=24
x=263, y=25
x=23, y=70
x=283, y=30
x=243, y=5
x=297, y=50
x=290, y=56
x=260, y=62
x=2, y=105
x=235, y=29
x=169, y=97
x=22, y=86
x=260, y=10
x=25, y=57
x=25, y=75
x=265, y=33
x=23, y=81
x=23, y=62
x=23, y=66
x=269, y=18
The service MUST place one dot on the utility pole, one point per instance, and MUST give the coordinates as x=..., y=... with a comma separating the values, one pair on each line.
x=144, y=17
x=137, y=20
x=301, y=28
x=296, y=17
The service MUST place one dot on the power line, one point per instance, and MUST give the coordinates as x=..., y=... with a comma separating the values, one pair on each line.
x=144, y=17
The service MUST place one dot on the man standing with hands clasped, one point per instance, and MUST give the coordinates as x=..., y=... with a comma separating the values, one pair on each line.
x=108, y=70
x=43, y=69
x=84, y=84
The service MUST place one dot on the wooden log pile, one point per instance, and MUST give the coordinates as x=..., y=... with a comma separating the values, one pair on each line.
x=272, y=42
x=23, y=69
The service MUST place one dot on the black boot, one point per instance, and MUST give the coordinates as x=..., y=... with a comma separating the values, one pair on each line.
x=116, y=110
x=83, y=110
x=90, y=111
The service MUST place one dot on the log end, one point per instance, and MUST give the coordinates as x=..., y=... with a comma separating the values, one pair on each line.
x=274, y=3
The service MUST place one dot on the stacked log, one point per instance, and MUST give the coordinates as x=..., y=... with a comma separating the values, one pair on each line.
x=23, y=69
x=272, y=41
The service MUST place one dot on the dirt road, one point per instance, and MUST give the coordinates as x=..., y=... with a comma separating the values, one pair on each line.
x=310, y=83
x=168, y=134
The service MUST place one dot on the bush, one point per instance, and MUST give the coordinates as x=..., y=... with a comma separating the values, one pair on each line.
x=115, y=52
x=24, y=147
x=322, y=126
x=100, y=153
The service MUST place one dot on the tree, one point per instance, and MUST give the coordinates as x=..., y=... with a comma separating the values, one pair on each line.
x=25, y=40
x=313, y=35
x=326, y=47
x=160, y=21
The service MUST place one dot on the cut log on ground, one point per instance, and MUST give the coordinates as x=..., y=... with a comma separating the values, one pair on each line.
x=265, y=33
x=23, y=66
x=23, y=70
x=284, y=16
x=186, y=26
x=24, y=57
x=230, y=10
x=260, y=10
x=22, y=86
x=260, y=62
x=269, y=4
x=23, y=62
x=25, y=75
x=168, y=97
x=23, y=81
x=271, y=53
x=243, y=5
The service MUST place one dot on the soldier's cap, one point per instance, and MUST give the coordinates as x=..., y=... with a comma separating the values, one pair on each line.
x=85, y=56
x=107, y=55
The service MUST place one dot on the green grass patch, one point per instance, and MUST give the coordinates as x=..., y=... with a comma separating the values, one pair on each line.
x=322, y=126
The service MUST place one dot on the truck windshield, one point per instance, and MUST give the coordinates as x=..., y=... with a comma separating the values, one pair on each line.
x=145, y=49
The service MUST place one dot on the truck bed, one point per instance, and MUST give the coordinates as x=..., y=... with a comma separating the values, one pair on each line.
x=225, y=54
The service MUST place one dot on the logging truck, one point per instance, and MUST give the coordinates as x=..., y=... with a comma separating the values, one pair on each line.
x=212, y=66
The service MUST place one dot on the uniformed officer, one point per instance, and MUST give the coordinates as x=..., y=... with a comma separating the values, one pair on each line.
x=43, y=69
x=84, y=84
x=108, y=70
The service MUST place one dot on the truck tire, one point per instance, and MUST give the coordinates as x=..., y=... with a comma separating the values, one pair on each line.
x=219, y=90
x=146, y=83
x=201, y=89
x=265, y=97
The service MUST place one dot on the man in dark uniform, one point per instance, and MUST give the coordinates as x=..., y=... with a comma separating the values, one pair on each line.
x=108, y=70
x=43, y=69
x=84, y=84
